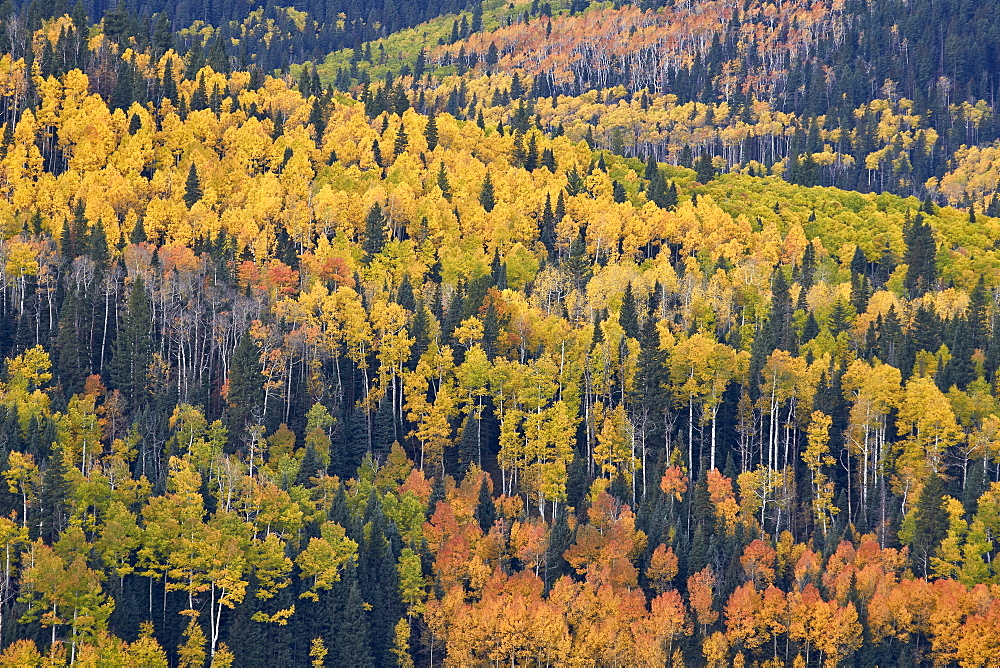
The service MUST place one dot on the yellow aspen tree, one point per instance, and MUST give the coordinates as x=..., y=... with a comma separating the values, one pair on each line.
x=816, y=456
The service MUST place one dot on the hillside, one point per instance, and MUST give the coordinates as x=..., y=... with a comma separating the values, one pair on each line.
x=425, y=355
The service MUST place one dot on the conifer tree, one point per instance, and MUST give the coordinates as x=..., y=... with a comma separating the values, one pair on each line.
x=704, y=168
x=374, y=232
x=245, y=393
x=930, y=523
x=486, y=194
x=402, y=141
x=70, y=359
x=134, y=345
x=547, y=226
x=443, y=183
x=53, y=510
x=431, y=132
x=629, y=316
x=138, y=233
x=192, y=186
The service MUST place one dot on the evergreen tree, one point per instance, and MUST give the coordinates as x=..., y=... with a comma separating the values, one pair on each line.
x=921, y=257
x=486, y=198
x=547, y=227
x=628, y=318
x=71, y=361
x=53, y=502
x=486, y=511
x=402, y=141
x=531, y=153
x=133, y=347
x=245, y=397
x=705, y=170
x=807, y=270
x=781, y=312
x=618, y=192
x=930, y=524
x=468, y=444
x=378, y=581
x=431, y=132
x=443, y=183
x=686, y=159
x=138, y=234
x=374, y=232
x=977, y=315
x=192, y=187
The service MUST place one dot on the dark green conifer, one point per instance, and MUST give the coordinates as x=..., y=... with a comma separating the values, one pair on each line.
x=245, y=398
x=133, y=347
x=192, y=186
x=486, y=198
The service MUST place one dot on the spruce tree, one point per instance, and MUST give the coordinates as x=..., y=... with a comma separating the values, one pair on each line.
x=71, y=360
x=378, y=580
x=374, y=232
x=705, y=170
x=930, y=524
x=618, y=192
x=138, y=233
x=133, y=347
x=468, y=444
x=402, y=141
x=486, y=511
x=628, y=318
x=53, y=502
x=431, y=132
x=547, y=227
x=531, y=153
x=245, y=398
x=486, y=198
x=443, y=183
x=977, y=315
x=921, y=257
x=192, y=187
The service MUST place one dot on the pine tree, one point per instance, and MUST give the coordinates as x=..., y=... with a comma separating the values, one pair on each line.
x=402, y=141
x=378, y=580
x=431, y=132
x=531, y=153
x=921, y=257
x=134, y=345
x=71, y=361
x=808, y=268
x=374, y=232
x=930, y=523
x=560, y=211
x=138, y=234
x=53, y=511
x=443, y=183
x=351, y=645
x=547, y=227
x=549, y=160
x=468, y=444
x=245, y=394
x=486, y=198
x=628, y=318
x=781, y=312
x=192, y=187
x=97, y=246
x=978, y=315
x=705, y=170
x=618, y=192
x=686, y=159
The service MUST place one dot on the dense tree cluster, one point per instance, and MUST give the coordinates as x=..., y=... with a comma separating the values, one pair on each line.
x=298, y=377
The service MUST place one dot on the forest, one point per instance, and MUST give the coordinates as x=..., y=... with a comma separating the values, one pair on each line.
x=458, y=337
